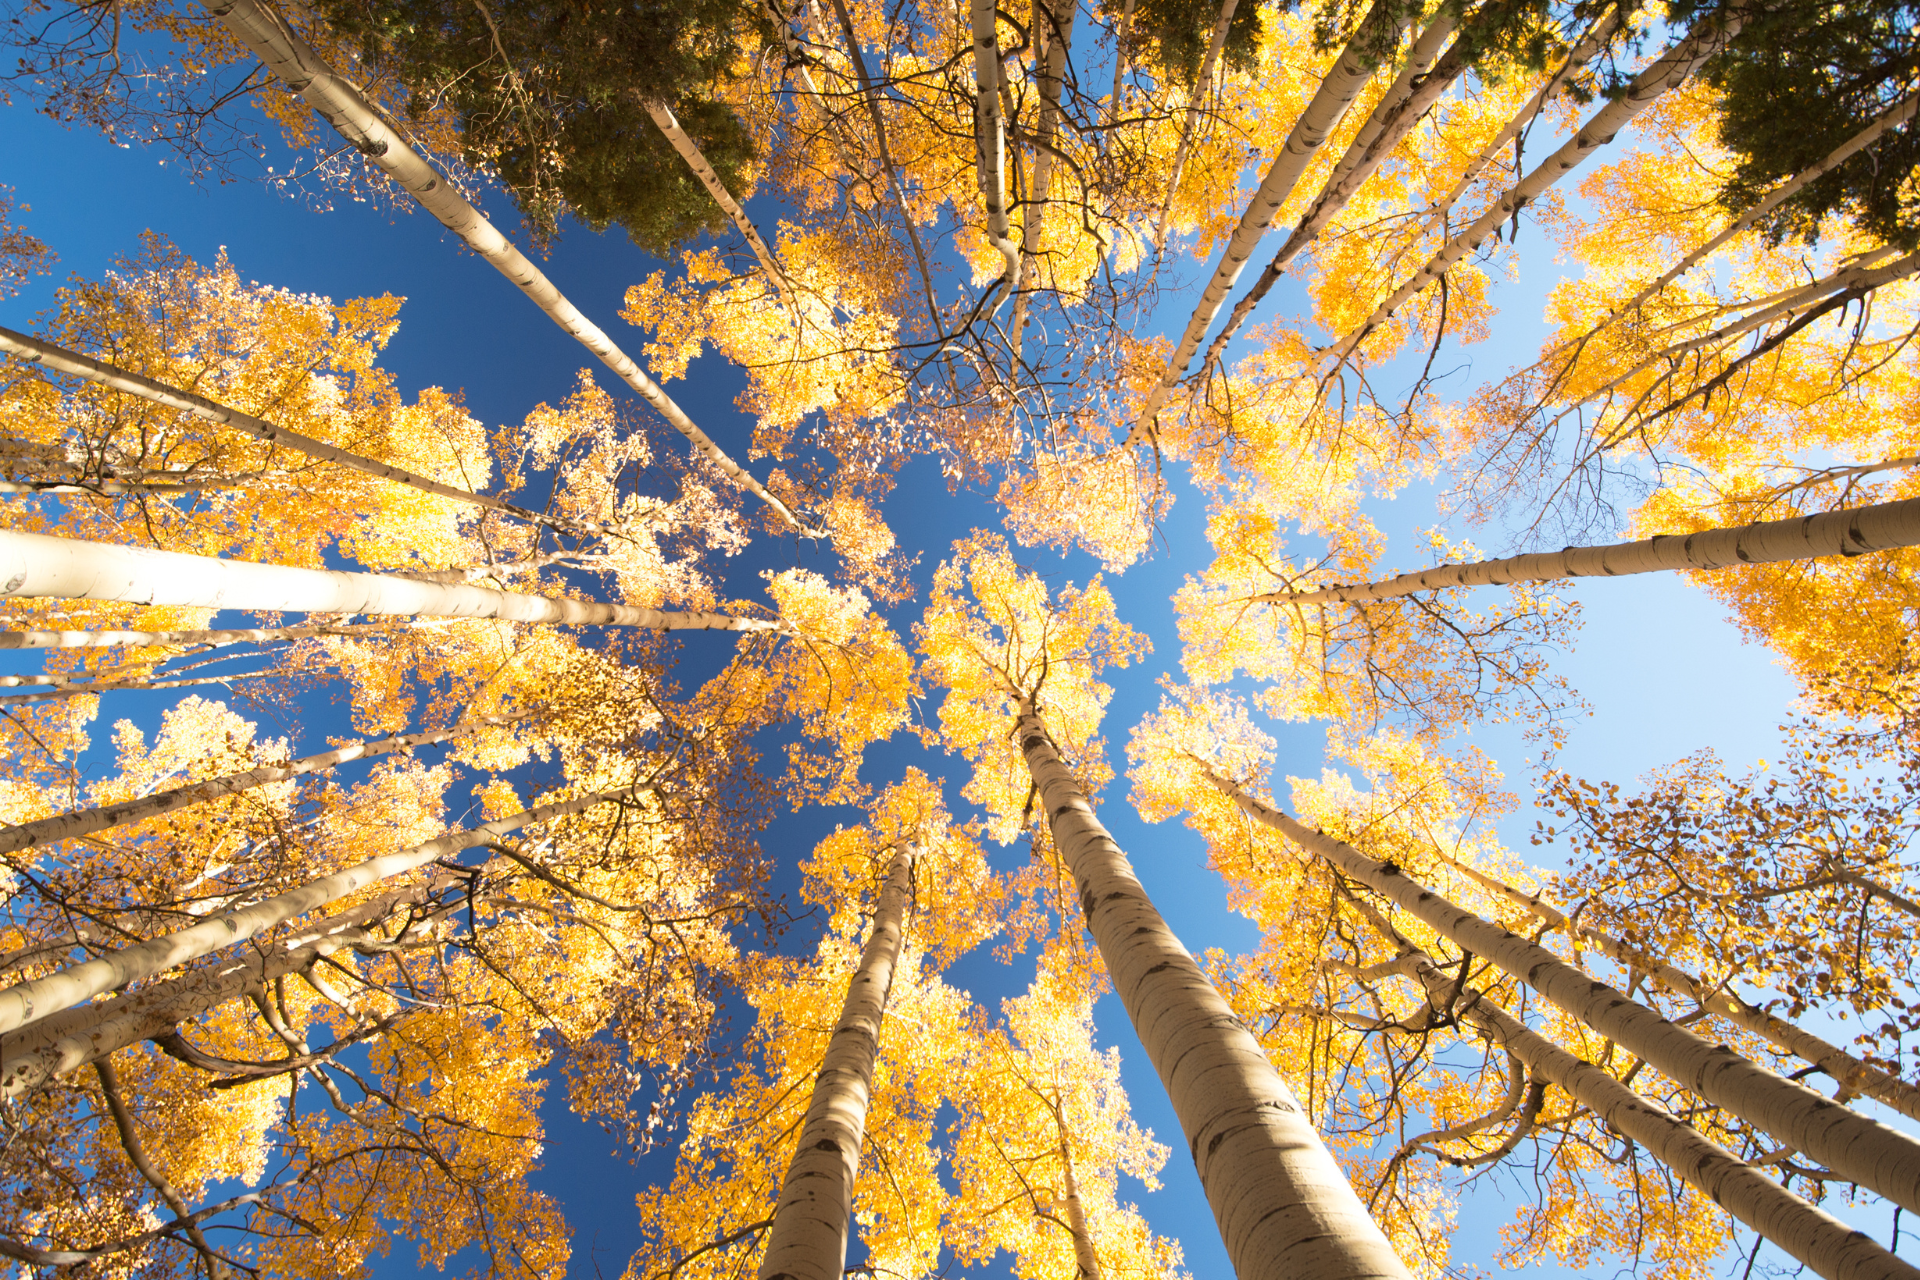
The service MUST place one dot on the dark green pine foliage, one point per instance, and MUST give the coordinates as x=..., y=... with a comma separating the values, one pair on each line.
x=1802, y=78
x=1170, y=36
x=552, y=94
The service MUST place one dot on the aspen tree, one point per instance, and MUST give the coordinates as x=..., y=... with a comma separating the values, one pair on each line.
x=1877, y=1157
x=1281, y=1202
x=336, y=101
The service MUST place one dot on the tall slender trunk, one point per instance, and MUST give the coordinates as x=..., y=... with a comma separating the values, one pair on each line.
x=48, y=1049
x=668, y=124
x=84, y=822
x=33, y=564
x=808, y=1238
x=990, y=138
x=1120, y=32
x=1854, y=532
x=1284, y=1208
x=1824, y=1243
x=28, y=1002
x=1402, y=107
x=1053, y=20
x=32, y=350
x=1845, y=1069
x=84, y=688
x=261, y=28
x=1202, y=85
x=1086, y=1262
x=1707, y=37
x=157, y=639
x=1337, y=90
x=1881, y=1159
x=1892, y=118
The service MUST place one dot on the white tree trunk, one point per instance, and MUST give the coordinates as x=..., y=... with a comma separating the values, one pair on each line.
x=1881, y=1159
x=1824, y=1243
x=48, y=1049
x=1202, y=85
x=669, y=124
x=158, y=639
x=1845, y=1069
x=1707, y=37
x=32, y=350
x=990, y=138
x=1285, y=1210
x=1881, y=527
x=808, y=1238
x=1892, y=118
x=1338, y=89
x=1403, y=106
x=33, y=564
x=83, y=822
x=1056, y=26
x=261, y=28
x=28, y=1002
x=1086, y=1262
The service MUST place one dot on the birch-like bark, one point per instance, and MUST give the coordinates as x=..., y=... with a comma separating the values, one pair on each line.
x=1707, y=37
x=1337, y=90
x=1285, y=1210
x=262, y=29
x=50, y=1048
x=990, y=138
x=1086, y=1262
x=158, y=639
x=1856, y=279
x=1844, y=1068
x=808, y=1238
x=1055, y=25
x=1882, y=1160
x=1403, y=106
x=1120, y=32
x=1202, y=85
x=86, y=687
x=669, y=124
x=84, y=822
x=1852, y=532
x=28, y=1002
x=31, y=350
x=1821, y=1241
x=1892, y=118
x=35, y=565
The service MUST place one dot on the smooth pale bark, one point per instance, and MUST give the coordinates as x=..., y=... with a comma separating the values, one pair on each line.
x=1341, y=85
x=1845, y=1069
x=1854, y=532
x=46, y=1050
x=1120, y=58
x=31, y=350
x=104, y=488
x=1892, y=118
x=1856, y=279
x=35, y=565
x=669, y=124
x=84, y=688
x=1055, y=28
x=1283, y=1206
x=1404, y=105
x=1861, y=1150
x=1706, y=38
x=1202, y=85
x=28, y=1002
x=990, y=138
x=157, y=639
x=1824, y=1243
x=808, y=1238
x=1592, y=43
x=1086, y=1263
x=83, y=822
x=262, y=29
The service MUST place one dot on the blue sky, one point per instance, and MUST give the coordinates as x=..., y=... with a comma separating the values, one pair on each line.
x=1662, y=671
